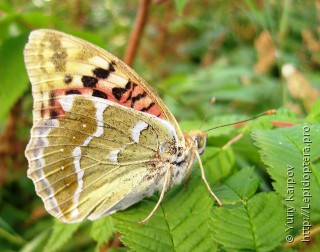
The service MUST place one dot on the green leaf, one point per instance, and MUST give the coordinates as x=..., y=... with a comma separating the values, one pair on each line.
x=6, y=23
x=102, y=230
x=180, y=223
x=218, y=163
x=180, y=5
x=37, y=243
x=7, y=233
x=250, y=226
x=5, y=7
x=239, y=187
x=61, y=234
x=292, y=155
x=314, y=115
x=14, y=80
x=244, y=183
x=38, y=19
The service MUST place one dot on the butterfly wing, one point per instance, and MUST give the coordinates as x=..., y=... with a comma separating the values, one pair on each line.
x=59, y=64
x=98, y=158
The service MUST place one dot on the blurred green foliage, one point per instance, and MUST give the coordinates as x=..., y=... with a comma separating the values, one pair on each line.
x=190, y=52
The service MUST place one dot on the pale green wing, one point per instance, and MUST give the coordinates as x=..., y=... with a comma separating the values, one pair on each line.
x=99, y=157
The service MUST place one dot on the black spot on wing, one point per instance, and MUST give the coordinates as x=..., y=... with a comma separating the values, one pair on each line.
x=72, y=91
x=128, y=85
x=147, y=108
x=101, y=73
x=51, y=99
x=100, y=94
x=67, y=78
x=129, y=96
x=89, y=82
x=53, y=114
x=118, y=92
x=111, y=68
x=42, y=110
x=137, y=98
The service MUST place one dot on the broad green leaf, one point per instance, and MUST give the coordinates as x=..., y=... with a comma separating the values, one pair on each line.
x=253, y=225
x=239, y=187
x=292, y=155
x=244, y=183
x=180, y=223
x=102, y=230
x=218, y=163
x=61, y=234
x=14, y=80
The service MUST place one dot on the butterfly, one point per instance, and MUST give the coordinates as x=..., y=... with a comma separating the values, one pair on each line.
x=102, y=139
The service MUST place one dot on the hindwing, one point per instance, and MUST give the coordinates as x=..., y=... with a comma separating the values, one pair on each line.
x=98, y=158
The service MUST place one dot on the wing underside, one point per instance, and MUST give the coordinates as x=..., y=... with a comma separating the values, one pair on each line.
x=99, y=157
x=59, y=64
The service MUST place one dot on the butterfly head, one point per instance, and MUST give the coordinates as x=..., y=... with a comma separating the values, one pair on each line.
x=199, y=137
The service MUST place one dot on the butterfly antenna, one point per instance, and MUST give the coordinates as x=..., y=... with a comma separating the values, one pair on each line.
x=269, y=112
x=203, y=176
x=213, y=100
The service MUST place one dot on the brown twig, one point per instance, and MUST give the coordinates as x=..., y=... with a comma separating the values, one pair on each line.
x=115, y=243
x=137, y=31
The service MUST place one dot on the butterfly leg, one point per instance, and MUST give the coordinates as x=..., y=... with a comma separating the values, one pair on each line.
x=164, y=188
x=205, y=180
x=185, y=184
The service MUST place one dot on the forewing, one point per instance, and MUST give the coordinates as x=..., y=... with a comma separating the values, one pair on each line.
x=60, y=64
x=99, y=157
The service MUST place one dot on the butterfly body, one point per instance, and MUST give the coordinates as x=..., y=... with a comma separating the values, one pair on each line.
x=102, y=138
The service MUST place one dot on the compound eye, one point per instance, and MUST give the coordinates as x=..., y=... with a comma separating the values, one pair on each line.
x=200, y=142
x=199, y=139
